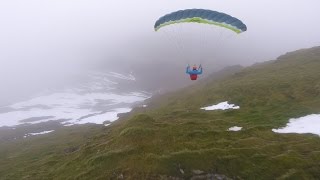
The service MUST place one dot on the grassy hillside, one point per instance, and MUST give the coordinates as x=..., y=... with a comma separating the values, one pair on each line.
x=173, y=139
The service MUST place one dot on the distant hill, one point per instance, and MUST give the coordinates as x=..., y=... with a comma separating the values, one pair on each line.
x=172, y=138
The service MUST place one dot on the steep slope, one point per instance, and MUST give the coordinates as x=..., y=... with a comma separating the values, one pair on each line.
x=174, y=139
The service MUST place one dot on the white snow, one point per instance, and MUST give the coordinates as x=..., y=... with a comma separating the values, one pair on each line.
x=306, y=124
x=100, y=118
x=235, y=128
x=121, y=76
x=71, y=99
x=221, y=106
x=94, y=100
x=35, y=134
x=71, y=107
x=44, y=132
x=98, y=75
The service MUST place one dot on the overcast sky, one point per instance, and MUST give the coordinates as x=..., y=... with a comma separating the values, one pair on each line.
x=51, y=39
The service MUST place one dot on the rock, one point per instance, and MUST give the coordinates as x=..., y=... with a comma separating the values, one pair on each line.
x=209, y=176
x=197, y=172
x=120, y=176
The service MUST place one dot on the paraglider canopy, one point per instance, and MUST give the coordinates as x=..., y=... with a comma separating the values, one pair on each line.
x=201, y=16
x=197, y=33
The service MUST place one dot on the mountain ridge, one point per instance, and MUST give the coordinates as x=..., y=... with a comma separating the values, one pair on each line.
x=172, y=138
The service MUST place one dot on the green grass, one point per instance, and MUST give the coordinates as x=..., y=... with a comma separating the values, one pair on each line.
x=173, y=134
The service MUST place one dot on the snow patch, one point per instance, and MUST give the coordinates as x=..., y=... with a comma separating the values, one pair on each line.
x=306, y=124
x=221, y=106
x=103, y=75
x=35, y=134
x=121, y=76
x=77, y=108
x=94, y=100
x=99, y=119
x=235, y=128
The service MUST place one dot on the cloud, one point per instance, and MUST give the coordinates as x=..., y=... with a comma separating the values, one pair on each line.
x=44, y=42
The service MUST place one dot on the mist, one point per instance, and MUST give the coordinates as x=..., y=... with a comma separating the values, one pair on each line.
x=46, y=43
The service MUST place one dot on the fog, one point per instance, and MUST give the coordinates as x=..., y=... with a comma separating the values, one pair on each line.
x=47, y=42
